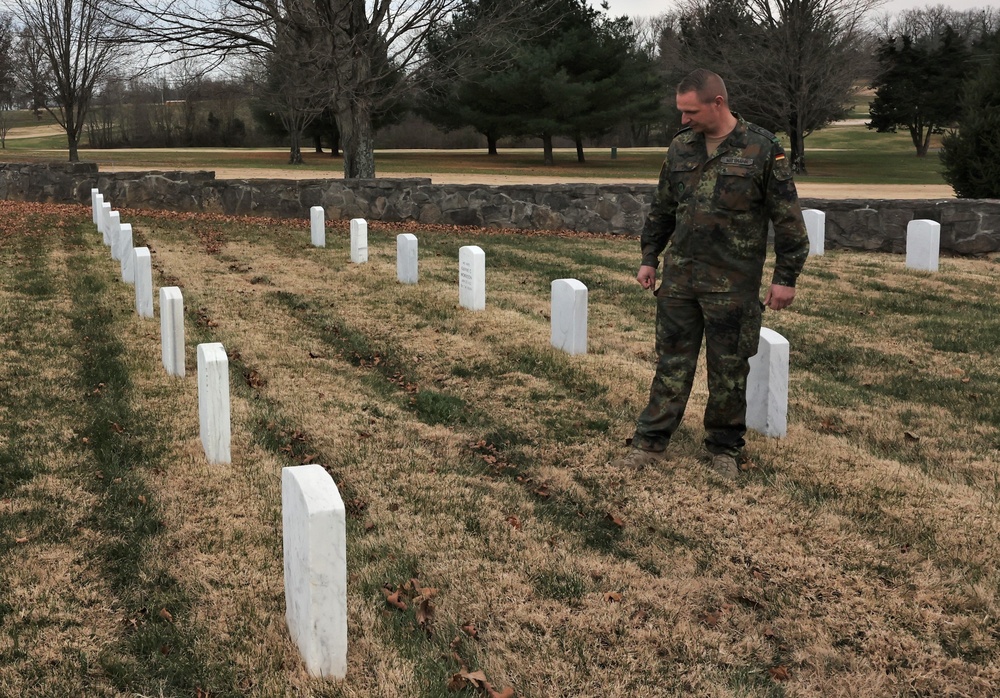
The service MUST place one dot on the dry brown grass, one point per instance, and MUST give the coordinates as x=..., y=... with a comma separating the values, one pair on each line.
x=850, y=559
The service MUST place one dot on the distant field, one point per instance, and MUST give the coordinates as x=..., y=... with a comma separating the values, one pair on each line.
x=840, y=154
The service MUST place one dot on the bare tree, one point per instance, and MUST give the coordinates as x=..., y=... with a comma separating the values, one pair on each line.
x=792, y=65
x=81, y=46
x=31, y=72
x=360, y=46
x=8, y=79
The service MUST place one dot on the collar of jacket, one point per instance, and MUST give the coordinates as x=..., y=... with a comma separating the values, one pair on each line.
x=737, y=138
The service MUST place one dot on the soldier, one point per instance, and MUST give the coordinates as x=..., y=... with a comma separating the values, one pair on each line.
x=721, y=183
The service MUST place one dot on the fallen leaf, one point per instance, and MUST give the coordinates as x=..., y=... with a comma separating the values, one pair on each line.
x=456, y=683
x=393, y=598
x=966, y=379
x=165, y=615
x=910, y=437
x=711, y=618
x=615, y=519
x=779, y=673
x=164, y=650
x=116, y=427
x=505, y=693
x=515, y=522
x=142, y=499
x=19, y=541
x=470, y=630
x=474, y=677
x=612, y=596
x=543, y=492
x=425, y=613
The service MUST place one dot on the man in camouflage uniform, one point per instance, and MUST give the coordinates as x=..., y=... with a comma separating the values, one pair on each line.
x=721, y=183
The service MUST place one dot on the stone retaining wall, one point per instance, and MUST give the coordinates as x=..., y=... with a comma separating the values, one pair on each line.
x=970, y=227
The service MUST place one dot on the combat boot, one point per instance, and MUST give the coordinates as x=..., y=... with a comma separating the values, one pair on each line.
x=724, y=465
x=637, y=459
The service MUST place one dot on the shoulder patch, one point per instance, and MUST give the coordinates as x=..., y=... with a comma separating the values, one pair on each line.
x=764, y=132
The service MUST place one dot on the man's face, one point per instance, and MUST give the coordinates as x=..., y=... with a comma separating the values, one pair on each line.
x=700, y=116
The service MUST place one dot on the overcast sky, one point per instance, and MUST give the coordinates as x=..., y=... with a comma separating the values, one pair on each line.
x=634, y=8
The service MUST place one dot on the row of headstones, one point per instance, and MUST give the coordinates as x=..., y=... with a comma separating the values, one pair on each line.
x=213, y=363
x=923, y=239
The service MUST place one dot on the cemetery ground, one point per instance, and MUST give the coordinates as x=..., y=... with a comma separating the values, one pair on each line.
x=488, y=539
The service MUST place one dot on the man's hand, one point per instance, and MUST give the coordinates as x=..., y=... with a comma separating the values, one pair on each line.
x=647, y=277
x=779, y=297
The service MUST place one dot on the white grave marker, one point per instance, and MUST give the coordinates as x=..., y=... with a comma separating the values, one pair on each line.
x=569, y=316
x=359, y=240
x=172, y=330
x=317, y=224
x=125, y=254
x=923, y=244
x=143, y=265
x=94, y=193
x=105, y=222
x=406, y=258
x=114, y=233
x=767, y=385
x=314, y=533
x=472, y=277
x=816, y=228
x=213, y=402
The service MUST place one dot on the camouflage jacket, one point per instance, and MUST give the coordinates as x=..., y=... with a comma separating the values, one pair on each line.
x=710, y=214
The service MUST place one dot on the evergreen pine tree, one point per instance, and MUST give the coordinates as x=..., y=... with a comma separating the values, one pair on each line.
x=971, y=153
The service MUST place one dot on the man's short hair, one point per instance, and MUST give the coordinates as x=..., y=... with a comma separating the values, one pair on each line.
x=707, y=84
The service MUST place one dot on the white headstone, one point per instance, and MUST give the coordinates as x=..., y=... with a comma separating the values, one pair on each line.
x=359, y=240
x=172, y=330
x=143, y=265
x=213, y=402
x=314, y=532
x=317, y=221
x=767, y=385
x=472, y=277
x=923, y=244
x=406, y=258
x=125, y=253
x=816, y=228
x=114, y=234
x=94, y=193
x=569, y=316
x=105, y=223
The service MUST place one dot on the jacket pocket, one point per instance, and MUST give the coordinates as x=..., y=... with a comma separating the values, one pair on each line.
x=683, y=179
x=735, y=188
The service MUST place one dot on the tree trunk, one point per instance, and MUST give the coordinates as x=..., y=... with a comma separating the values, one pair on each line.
x=798, y=148
x=72, y=136
x=491, y=144
x=334, y=143
x=579, y=149
x=295, y=147
x=547, y=147
x=319, y=143
x=354, y=122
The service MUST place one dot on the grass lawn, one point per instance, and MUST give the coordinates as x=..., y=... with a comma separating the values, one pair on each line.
x=835, y=155
x=856, y=557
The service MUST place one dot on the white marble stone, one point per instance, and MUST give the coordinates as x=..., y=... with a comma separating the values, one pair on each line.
x=359, y=240
x=114, y=234
x=569, y=316
x=213, y=402
x=472, y=277
x=406, y=258
x=105, y=224
x=317, y=225
x=923, y=244
x=94, y=193
x=314, y=533
x=172, y=330
x=816, y=228
x=767, y=385
x=126, y=254
x=142, y=263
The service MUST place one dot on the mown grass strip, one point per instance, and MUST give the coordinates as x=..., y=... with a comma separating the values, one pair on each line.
x=157, y=650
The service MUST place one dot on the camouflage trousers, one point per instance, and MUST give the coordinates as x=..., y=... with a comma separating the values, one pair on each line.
x=730, y=324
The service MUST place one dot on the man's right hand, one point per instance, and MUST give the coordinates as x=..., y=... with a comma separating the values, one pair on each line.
x=646, y=277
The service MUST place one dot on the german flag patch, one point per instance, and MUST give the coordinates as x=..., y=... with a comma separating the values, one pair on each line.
x=779, y=156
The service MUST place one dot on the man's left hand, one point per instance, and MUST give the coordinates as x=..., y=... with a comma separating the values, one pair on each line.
x=779, y=297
